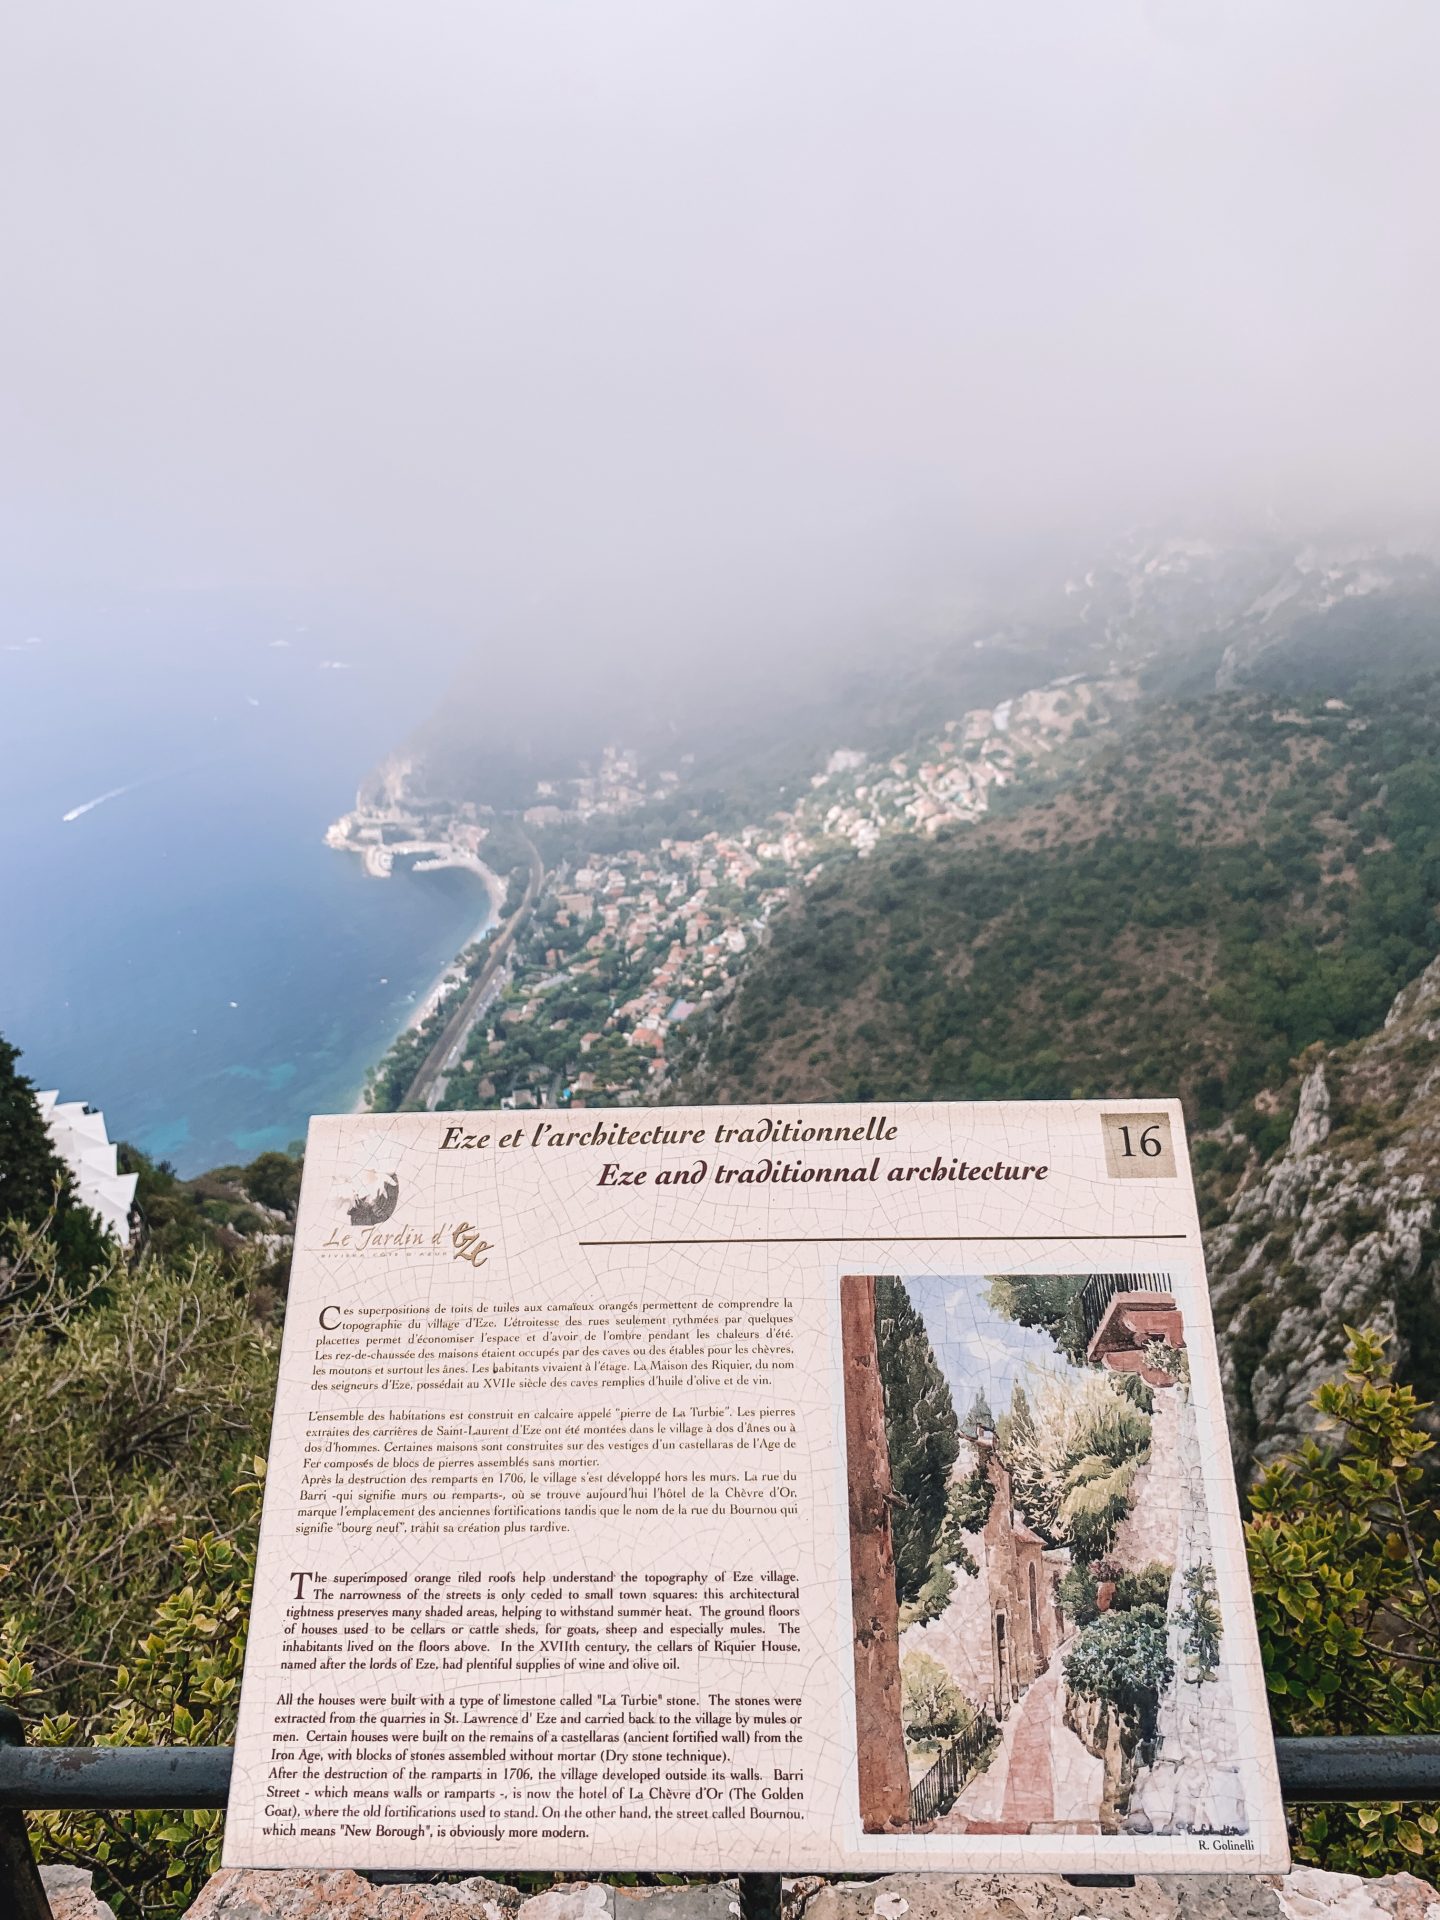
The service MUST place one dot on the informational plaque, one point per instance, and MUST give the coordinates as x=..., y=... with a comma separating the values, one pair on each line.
x=789, y=1488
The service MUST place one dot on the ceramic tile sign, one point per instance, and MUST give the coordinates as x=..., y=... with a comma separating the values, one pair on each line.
x=810, y=1488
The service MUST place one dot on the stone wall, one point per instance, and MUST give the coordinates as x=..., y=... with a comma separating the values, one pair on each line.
x=1303, y=1894
x=1195, y=1781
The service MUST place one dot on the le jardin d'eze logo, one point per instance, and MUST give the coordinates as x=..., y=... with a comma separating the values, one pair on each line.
x=369, y=1209
x=369, y=1213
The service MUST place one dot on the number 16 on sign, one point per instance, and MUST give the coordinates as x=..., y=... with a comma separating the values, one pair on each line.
x=1138, y=1146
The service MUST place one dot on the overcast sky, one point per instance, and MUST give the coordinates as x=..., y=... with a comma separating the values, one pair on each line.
x=587, y=321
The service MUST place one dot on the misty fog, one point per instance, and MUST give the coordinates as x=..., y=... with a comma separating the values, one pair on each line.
x=624, y=330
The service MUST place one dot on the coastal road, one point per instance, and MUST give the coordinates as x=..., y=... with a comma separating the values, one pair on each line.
x=426, y=1085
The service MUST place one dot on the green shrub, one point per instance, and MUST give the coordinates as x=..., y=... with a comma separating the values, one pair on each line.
x=1078, y=1594
x=1122, y=1659
x=1148, y=1588
x=180, y=1687
x=1344, y=1550
x=129, y=1411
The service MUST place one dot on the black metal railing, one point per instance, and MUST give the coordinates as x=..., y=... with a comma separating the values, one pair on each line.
x=1101, y=1288
x=1355, y=1769
x=938, y=1790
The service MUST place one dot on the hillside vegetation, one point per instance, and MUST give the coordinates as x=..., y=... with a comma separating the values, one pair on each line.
x=131, y=1407
x=135, y=1387
x=1237, y=877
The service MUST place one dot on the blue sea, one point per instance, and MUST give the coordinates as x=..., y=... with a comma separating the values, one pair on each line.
x=186, y=952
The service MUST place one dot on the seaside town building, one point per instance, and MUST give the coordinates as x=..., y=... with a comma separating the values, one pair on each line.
x=80, y=1140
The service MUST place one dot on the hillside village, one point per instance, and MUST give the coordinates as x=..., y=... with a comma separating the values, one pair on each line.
x=624, y=946
x=622, y=949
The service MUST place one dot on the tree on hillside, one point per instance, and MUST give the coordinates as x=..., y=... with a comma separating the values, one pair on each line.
x=274, y=1180
x=922, y=1431
x=35, y=1184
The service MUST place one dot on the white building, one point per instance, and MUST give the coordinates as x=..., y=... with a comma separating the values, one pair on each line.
x=80, y=1140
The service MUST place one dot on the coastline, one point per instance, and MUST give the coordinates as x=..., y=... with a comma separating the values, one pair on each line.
x=450, y=973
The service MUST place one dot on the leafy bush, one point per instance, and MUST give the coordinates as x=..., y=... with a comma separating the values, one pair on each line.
x=1122, y=1659
x=1173, y=1362
x=968, y=1501
x=1148, y=1588
x=274, y=1180
x=1046, y=1300
x=1078, y=1593
x=129, y=1410
x=181, y=1687
x=1079, y=1590
x=1344, y=1549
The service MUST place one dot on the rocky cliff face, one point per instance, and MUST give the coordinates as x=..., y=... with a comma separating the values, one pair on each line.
x=1338, y=1230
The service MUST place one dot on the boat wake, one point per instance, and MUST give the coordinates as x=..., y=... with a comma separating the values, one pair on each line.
x=88, y=806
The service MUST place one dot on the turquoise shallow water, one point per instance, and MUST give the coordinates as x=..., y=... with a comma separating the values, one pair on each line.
x=188, y=954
